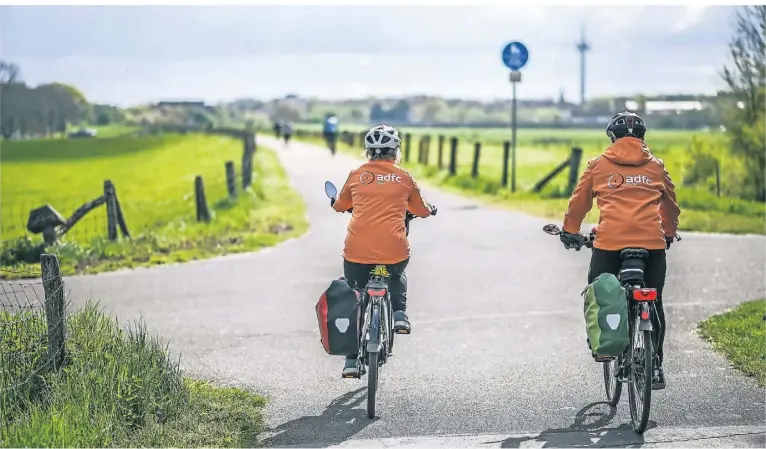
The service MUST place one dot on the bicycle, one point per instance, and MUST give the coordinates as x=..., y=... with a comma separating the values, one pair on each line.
x=635, y=366
x=376, y=339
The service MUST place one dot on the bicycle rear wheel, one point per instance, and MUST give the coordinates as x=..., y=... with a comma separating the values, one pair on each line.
x=373, y=362
x=640, y=386
x=372, y=383
x=612, y=385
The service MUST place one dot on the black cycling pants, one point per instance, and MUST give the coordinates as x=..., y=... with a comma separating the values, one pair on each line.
x=654, y=277
x=358, y=274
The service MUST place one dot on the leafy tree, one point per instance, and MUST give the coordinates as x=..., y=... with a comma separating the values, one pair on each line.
x=40, y=110
x=745, y=99
x=286, y=111
x=9, y=72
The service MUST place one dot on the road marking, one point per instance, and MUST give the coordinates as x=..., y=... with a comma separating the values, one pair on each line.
x=731, y=436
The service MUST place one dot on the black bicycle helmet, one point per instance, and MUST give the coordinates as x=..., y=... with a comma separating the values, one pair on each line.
x=625, y=124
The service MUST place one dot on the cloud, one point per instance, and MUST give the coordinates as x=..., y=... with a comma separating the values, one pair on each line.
x=692, y=16
x=131, y=54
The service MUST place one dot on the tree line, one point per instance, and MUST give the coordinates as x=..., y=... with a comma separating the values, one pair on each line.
x=45, y=109
x=434, y=111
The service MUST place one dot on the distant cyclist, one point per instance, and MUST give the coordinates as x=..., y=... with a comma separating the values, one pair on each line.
x=638, y=209
x=380, y=193
x=287, y=131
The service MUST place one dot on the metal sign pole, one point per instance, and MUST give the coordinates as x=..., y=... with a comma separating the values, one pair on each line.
x=515, y=78
x=515, y=56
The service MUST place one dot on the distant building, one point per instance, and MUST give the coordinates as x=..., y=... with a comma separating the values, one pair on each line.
x=185, y=104
x=198, y=104
x=666, y=107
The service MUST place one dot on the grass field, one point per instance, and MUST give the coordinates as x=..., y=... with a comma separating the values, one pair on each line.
x=154, y=178
x=740, y=334
x=540, y=150
x=119, y=388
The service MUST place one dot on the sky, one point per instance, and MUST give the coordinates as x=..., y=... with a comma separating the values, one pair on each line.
x=131, y=55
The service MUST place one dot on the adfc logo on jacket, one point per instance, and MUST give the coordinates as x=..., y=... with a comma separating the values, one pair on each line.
x=616, y=180
x=368, y=177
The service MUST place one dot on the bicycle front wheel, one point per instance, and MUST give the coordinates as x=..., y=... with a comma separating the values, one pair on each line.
x=640, y=391
x=372, y=383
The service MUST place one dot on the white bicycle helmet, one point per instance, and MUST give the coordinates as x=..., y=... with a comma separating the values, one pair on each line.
x=382, y=139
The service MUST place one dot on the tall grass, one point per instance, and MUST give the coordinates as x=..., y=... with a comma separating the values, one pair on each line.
x=119, y=387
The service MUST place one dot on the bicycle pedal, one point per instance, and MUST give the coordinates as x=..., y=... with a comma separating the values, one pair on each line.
x=402, y=331
x=350, y=376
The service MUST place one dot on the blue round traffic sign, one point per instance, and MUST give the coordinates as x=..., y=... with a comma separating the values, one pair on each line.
x=515, y=55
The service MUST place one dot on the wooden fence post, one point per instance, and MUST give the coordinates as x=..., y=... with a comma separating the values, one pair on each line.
x=718, y=178
x=247, y=160
x=441, y=151
x=421, y=141
x=361, y=138
x=426, y=149
x=231, y=179
x=54, y=308
x=574, y=168
x=476, y=154
x=506, y=155
x=111, y=210
x=543, y=182
x=453, y=156
x=407, y=142
x=120, y=216
x=203, y=213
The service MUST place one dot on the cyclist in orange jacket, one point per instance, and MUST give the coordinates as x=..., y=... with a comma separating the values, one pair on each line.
x=380, y=192
x=637, y=203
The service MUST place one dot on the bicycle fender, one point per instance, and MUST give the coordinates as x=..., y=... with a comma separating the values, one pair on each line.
x=373, y=343
x=645, y=325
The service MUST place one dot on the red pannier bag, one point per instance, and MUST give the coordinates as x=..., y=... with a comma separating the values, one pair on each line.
x=338, y=317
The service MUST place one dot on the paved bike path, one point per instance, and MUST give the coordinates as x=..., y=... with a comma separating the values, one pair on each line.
x=498, y=344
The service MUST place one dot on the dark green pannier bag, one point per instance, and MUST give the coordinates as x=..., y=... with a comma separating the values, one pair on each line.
x=606, y=316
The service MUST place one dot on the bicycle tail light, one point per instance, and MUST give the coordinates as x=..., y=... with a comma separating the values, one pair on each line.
x=645, y=294
x=376, y=292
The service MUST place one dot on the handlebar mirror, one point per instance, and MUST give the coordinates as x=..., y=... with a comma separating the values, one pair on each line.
x=552, y=229
x=330, y=190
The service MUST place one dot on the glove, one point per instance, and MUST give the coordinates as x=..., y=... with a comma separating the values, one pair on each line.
x=668, y=241
x=433, y=210
x=571, y=241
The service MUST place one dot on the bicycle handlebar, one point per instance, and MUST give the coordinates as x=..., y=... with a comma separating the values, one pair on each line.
x=408, y=216
x=587, y=240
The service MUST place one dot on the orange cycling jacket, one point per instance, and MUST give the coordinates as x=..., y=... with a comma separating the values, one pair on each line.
x=634, y=194
x=381, y=193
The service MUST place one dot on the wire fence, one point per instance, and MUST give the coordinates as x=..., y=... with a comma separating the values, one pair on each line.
x=32, y=334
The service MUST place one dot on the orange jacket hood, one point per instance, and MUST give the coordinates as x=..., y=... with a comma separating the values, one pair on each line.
x=628, y=151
